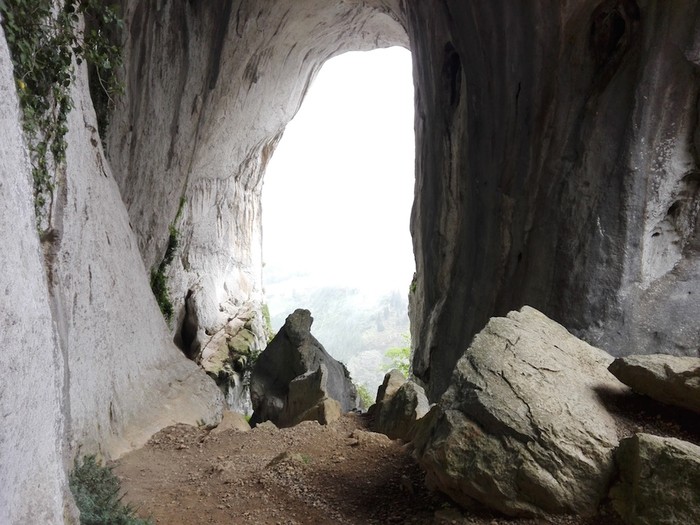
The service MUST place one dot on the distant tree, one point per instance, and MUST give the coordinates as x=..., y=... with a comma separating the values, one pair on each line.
x=400, y=357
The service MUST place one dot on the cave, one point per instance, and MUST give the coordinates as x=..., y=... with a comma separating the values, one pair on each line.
x=556, y=166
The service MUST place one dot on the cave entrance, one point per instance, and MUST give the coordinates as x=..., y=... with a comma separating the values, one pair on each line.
x=337, y=197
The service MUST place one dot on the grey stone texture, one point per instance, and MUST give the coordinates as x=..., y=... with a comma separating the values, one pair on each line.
x=659, y=481
x=670, y=379
x=397, y=415
x=521, y=429
x=35, y=415
x=210, y=87
x=295, y=373
x=556, y=166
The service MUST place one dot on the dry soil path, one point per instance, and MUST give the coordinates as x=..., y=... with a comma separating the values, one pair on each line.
x=309, y=474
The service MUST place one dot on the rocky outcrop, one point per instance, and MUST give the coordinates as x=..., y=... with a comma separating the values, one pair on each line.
x=556, y=166
x=521, y=428
x=670, y=379
x=397, y=415
x=659, y=481
x=294, y=379
x=399, y=405
x=228, y=355
x=393, y=380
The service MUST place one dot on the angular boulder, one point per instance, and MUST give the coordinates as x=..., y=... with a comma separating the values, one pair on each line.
x=396, y=415
x=295, y=374
x=670, y=379
x=659, y=481
x=393, y=380
x=521, y=428
x=308, y=400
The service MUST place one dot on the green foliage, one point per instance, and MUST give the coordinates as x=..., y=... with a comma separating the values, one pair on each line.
x=42, y=43
x=103, y=56
x=400, y=358
x=159, y=278
x=97, y=493
x=366, y=398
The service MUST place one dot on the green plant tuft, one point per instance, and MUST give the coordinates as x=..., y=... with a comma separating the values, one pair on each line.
x=400, y=357
x=159, y=277
x=97, y=493
x=366, y=398
x=43, y=42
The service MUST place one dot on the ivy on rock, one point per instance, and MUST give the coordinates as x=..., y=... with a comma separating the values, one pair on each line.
x=43, y=39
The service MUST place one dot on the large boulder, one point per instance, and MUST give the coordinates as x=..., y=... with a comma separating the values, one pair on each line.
x=521, y=428
x=670, y=379
x=295, y=373
x=659, y=481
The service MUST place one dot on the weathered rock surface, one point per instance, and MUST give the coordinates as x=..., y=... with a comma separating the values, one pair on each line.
x=189, y=68
x=295, y=373
x=396, y=415
x=227, y=355
x=393, y=380
x=92, y=368
x=308, y=399
x=127, y=378
x=670, y=379
x=521, y=428
x=556, y=166
x=659, y=481
x=32, y=395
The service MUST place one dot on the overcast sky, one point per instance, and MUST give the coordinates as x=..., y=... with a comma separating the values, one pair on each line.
x=338, y=191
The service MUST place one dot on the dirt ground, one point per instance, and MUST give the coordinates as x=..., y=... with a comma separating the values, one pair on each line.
x=313, y=474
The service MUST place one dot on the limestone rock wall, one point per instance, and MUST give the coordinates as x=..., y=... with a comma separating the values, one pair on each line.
x=557, y=167
x=209, y=89
x=32, y=386
x=88, y=365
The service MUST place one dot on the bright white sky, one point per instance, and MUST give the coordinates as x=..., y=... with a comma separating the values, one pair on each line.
x=338, y=191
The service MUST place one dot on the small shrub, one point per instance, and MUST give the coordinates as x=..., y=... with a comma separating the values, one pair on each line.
x=159, y=278
x=366, y=398
x=400, y=358
x=97, y=494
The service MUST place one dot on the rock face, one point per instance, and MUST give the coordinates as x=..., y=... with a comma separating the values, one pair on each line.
x=670, y=379
x=190, y=67
x=32, y=389
x=521, y=428
x=397, y=415
x=556, y=166
x=659, y=481
x=295, y=376
x=88, y=364
x=558, y=171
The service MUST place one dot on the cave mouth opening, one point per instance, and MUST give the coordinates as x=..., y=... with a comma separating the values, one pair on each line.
x=336, y=203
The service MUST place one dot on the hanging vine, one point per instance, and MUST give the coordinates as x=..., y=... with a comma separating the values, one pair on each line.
x=43, y=37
